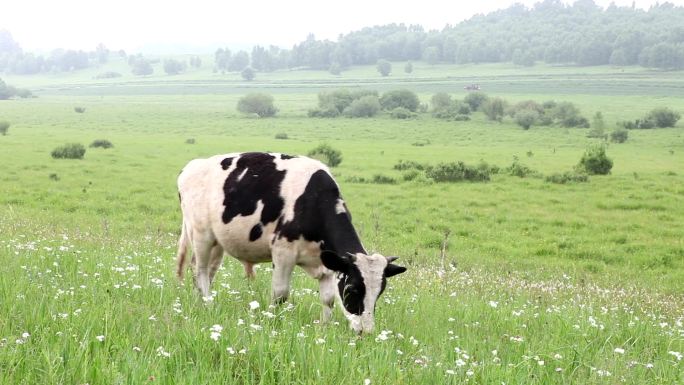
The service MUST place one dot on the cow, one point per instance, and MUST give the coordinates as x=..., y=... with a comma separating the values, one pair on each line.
x=270, y=207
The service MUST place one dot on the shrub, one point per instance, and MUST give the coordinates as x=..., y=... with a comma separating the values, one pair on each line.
x=568, y=115
x=402, y=113
x=639, y=124
x=409, y=165
x=281, y=135
x=619, y=135
x=440, y=100
x=257, y=103
x=327, y=155
x=190, y=141
x=526, y=118
x=103, y=143
x=4, y=126
x=335, y=69
x=108, y=75
x=248, y=74
x=400, y=98
x=494, y=108
x=69, y=151
x=526, y=105
x=408, y=67
x=324, y=112
x=455, y=110
x=475, y=100
x=79, y=110
x=331, y=104
x=384, y=67
x=457, y=172
x=365, y=107
x=663, y=117
x=567, y=177
x=520, y=170
x=595, y=161
x=383, y=179
x=409, y=175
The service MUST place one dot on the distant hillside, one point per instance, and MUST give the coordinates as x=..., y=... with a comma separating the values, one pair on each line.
x=579, y=34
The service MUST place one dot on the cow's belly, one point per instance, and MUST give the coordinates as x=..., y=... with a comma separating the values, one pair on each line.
x=235, y=240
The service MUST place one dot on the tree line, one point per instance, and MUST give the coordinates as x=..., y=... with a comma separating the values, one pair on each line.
x=550, y=31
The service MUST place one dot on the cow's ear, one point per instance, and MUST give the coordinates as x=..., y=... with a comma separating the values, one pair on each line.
x=392, y=270
x=334, y=262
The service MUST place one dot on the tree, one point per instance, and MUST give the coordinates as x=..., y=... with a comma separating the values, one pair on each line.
x=140, y=66
x=335, y=69
x=239, y=61
x=400, y=98
x=440, y=101
x=663, y=117
x=475, y=100
x=595, y=161
x=257, y=103
x=384, y=67
x=526, y=118
x=408, y=67
x=364, y=107
x=6, y=91
x=4, y=126
x=431, y=55
x=521, y=58
x=222, y=59
x=173, y=66
x=494, y=108
x=248, y=74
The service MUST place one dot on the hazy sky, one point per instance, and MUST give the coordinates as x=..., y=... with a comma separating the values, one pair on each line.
x=132, y=24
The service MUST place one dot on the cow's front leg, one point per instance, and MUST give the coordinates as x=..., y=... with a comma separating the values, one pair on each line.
x=282, y=273
x=326, y=287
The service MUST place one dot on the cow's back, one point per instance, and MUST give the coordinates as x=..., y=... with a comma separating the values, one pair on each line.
x=239, y=199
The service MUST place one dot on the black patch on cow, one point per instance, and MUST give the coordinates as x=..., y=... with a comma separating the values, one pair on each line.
x=352, y=290
x=255, y=233
x=225, y=164
x=261, y=182
x=286, y=157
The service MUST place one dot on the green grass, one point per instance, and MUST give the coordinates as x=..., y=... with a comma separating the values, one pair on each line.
x=554, y=278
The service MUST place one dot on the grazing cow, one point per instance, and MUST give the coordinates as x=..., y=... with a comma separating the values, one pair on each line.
x=260, y=207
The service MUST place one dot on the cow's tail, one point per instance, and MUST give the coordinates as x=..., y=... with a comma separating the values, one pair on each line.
x=181, y=256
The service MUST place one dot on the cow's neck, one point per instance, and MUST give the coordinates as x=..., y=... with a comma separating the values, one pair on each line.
x=340, y=235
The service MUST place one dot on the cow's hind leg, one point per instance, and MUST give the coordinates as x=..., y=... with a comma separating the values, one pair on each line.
x=202, y=245
x=215, y=261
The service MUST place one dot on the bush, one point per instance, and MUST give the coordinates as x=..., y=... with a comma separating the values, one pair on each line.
x=567, y=177
x=475, y=100
x=335, y=69
x=440, y=100
x=639, y=124
x=326, y=154
x=108, y=75
x=595, y=161
x=410, y=175
x=402, y=113
x=457, y=172
x=257, y=103
x=281, y=135
x=365, y=107
x=520, y=170
x=331, y=104
x=568, y=115
x=619, y=135
x=69, y=151
x=103, y=143
x=4, y=126
x=456, y=110
x=400, y=98
x=324, y=112
x=526, y=118
x=79, y=110
x=383, y=179
x=527, y=105
x=494, y=108
x=384, y=67
x=190, y=141
x=663, y=117
x=409, y=165
x=248, y=74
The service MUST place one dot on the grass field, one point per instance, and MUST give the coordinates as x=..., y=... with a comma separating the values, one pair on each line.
x=540, y=283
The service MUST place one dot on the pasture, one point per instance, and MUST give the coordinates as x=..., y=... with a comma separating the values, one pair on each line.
x=516, y=280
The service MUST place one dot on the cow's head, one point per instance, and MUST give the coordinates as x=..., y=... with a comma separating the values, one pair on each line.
x=361, y=279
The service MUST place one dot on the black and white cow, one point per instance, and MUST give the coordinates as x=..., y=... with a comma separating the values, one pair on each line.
x=260, y=207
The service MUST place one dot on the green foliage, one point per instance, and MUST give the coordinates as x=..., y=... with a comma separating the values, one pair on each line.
x=281, y=136
x=663, y=117
x=383, y=179
x=494, y=108
x=475, y=100
x=4, y=127
x=431, y=55
x=440, y=100
x=257, y=103
x=364, y=107
x=190, y=141
x=443, y=107
x=335, y=69
x=457, y=172
x=523, y=58
x=408, y=67
x=409, y=165
x=69, y=151
x=619, y=135
x=400, y=98
x=108, y=75
x=102, y=143
x=520, y=170
x=174, y=67
x=140, y=66
x=384, y=67
x=526, y=118
x=567, y=177
x=595, y=161
x=248, y=74
x=402, y=113
x=327, y=154
x=79, y=110
x=333, y=103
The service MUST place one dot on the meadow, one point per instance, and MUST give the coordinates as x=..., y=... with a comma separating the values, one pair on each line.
x=516, y=280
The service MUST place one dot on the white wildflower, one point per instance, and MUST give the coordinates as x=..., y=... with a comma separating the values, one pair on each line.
x=619, y=351
x=100, y=338
x=493, y=304
x=677, y=355
x=254, y=305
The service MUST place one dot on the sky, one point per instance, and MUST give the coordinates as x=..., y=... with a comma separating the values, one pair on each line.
x=170, y=25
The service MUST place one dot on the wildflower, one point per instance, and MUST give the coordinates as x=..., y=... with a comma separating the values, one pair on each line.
x=136, y=349
x=493, y=304
x=230, y=350
x=451, y=372
x=603, y=373
x=256, y=327
x=25, y=335
x=253, y=305
x=558, y=370
x=216, y=328
x=215, y=336
x=320, y=341
x=367, y=381
x=399, y=352
x=243, y=351
x=557, y=356
x=460, y=362
x=240, y=321
x=100, y=338
x=152, y=318
x=517, y=339
x=677, y=355
x=162, y=353
x=540, y=362
x=619, y=351
x=649, y=366
x=469, y=372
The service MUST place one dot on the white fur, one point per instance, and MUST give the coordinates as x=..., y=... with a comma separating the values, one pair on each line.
x=339, y=206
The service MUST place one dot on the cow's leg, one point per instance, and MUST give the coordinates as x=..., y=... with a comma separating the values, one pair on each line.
x=326, y=288
x=249, y=269
x=202, y=245
x=283, y=264
x=215, y=261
